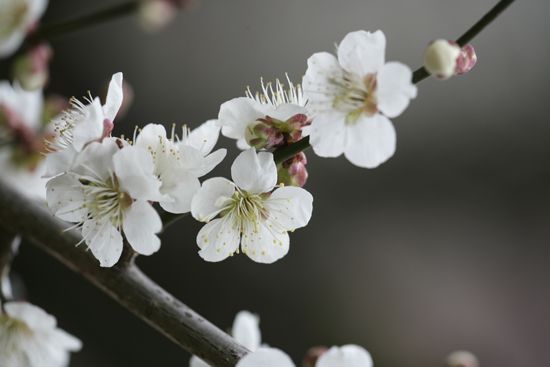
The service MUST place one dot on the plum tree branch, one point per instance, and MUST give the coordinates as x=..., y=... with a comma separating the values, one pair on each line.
x=125, y=283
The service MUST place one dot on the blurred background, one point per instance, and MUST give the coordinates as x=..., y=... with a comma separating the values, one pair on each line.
x=444, y=247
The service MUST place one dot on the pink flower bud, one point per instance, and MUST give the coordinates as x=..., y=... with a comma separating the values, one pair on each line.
x=462, y=359
x=444, y=59
x=466, y=60
x=263, y=134
x=31, y=69
x=293, y=172
x=296, y=123
x=313, y=354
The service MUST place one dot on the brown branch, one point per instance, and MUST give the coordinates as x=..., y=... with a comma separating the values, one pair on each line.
x=125, y=283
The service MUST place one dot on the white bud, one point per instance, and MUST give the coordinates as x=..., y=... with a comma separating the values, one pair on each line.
x=441, y=57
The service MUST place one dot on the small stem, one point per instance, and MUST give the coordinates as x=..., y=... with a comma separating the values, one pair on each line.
x=101, y=16
x=419, y=74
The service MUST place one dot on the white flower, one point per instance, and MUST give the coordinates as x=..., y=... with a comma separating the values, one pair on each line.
x=108, y=191
x=352, y=97
x=239, y=115
x=246, y=332
x=179, y=162
x=21, y=139
x=29, y=337
x=82, y=124
x=345, y=356
x=250, y=214
x=17, y=17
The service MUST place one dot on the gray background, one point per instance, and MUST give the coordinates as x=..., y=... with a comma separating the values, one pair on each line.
x=444, y=247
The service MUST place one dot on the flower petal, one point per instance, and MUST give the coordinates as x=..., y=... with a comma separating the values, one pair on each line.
x=65, y=198
x=204, y=137
x=96, y=159
x=211, y=198
x=196, y=163
x=141, y=224
x=235, y=115
x=246, y=330
x=180, y=190
x=254, y=172
x=362, y=52
x=265, y=242
x=318, y=82
x=150, y=137
x=266, y=357
x=218, y=239
x=60, y=161
x=290, y=207
x=370, y=141
x=345, y=356
x=113, y=101
x=327, y=134
x=104, y=240
x=90, y=127
x=134, y=169
x=394, y=88
x=33, y=316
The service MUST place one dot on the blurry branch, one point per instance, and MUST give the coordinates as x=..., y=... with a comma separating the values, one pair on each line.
x=51, y=30
x=288, y=151
x=125, y=283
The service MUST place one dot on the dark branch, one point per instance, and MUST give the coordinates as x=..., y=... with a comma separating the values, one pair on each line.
x=125, y=283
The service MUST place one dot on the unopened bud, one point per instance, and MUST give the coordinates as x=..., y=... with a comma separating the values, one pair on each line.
x=312, y=355
x=156, y=14
x=466, y=60
x=262, y=134
x=461, y=358
x=293, y=172
x=31, y=69
x=296, y=123
x=444, y=59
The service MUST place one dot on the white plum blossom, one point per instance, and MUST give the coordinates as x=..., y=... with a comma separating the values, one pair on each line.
x=82, y=124
x=29, y=337
x=21, y=139
x=250, y=213
x=108, y=191
x=17, y=18
x=245, y=331
x=351, y=97
x=345, y=356
x=242, y=117
x=179, y=162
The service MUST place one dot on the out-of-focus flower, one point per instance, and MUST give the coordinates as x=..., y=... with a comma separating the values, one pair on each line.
x=352, y=96
x=312, y=355
x=180, y=161
x=22, y=134
x=345, y=356
x=154, y=15
x=267, y=119
x=17, y=18
x=462, y=358
x=246, y=332
x=81, y=124
x=293, y=172
x=444, y=59
x=31, y=69
x=251, y=214
x=29, y=337
x=108, y=191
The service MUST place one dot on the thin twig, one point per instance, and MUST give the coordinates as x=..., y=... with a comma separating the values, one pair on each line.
x=125, y=283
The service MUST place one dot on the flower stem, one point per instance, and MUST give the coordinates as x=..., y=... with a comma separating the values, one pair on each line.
x=101, y=16
x=420, y=74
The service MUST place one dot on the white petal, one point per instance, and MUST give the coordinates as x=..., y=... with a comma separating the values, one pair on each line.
x=65, y=341
x=254, y=172
x=362, y=52
x=211, y=198
x=196, y=163
x=394, y=88
x=204, y=137
x=60, y=161
x=370, y=141
x=218, y=239
x=90, y=128
x=345, y=356
x=235, y=115
x=327, y=134
x=319, y=88
x=197, y=362
x=246, y=330
x=33, y=316
x=286, y=110
x=10, y=44
x=290, y=207
x=266, y=357
x=150, y=136
x=134, y=168
x=265, y=242
x=113, y=101
x=65, y=198
x=96, y=159
x=141, y=224
x=104, y=240
x=180, y=190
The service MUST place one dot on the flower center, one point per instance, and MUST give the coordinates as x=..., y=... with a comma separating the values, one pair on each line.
x=245, y=208
x=356, y=96
x=105, y=199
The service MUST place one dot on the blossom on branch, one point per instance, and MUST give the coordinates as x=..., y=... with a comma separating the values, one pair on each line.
x=250, y=212
x=29, y=337
x=17, y=18
x=108, y=191
x=351, y=97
